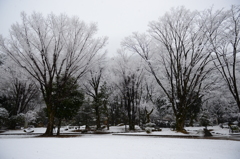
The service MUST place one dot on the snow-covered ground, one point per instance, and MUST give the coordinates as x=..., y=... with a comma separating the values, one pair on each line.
x=193, y=131
x=108, y=146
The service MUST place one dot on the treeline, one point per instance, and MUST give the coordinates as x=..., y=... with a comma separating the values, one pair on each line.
x=184, y=69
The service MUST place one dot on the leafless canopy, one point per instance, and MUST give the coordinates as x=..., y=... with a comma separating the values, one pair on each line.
x=52, y=46
x=177, y=52
x=224, y=32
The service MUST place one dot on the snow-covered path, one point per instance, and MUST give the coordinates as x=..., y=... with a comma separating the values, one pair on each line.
x=117, y=147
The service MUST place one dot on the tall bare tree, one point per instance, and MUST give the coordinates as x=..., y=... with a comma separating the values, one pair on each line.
x=176, y=53
x=50, y=47
x=224, y=32
x=130, y=74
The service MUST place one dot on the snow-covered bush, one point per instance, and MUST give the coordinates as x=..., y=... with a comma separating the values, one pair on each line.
x=16, y=120
x=150, y=125
x=30, y=116
x=3, y=116
x=235, y=122
x=234, y=129
x=148, y=130
x=3, y=113
x=137, y=128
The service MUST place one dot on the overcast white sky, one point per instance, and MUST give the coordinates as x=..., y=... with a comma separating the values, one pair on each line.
x=115, y=18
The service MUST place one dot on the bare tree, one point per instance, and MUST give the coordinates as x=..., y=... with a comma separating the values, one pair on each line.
x=129, y=73
x=224, y=33
x=177, y=56
x=19, y=90
x=50, y=47
x=22, y=93
x=93, y=89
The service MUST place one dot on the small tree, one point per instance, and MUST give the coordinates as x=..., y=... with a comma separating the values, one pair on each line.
x=204, y=120
x=97, y=89
x=93, y=90
x=194, y=109
x=67, y=99
x=85, y=115
x=105, y=102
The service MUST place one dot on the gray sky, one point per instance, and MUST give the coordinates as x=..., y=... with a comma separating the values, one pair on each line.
x=115, y=18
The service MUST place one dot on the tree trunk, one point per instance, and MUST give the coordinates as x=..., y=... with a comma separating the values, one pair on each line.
x=180, y=121
x=191, y=122
x=148, y=115
x=59, y=126
x=97, y=118
x=25, y=123
x=238, y=103
x=131, y=121
x=131, y=125
x=49, y=131
x=107, y=123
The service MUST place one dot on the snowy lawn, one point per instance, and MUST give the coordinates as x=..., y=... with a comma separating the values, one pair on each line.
x=192, y=131
x=116, y=147
x=121, y=129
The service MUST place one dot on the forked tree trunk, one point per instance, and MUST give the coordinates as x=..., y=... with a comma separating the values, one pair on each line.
x=50, y=126
x=148, y=115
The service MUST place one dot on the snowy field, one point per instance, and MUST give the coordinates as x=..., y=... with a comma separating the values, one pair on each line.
x=193, y=131
x=110, y=146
